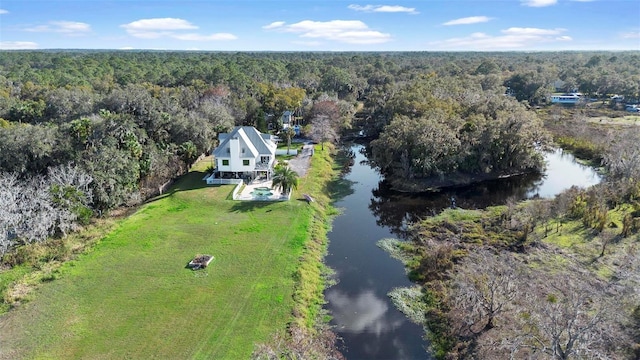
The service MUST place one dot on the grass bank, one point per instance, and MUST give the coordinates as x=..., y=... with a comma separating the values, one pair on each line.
x=130, y=296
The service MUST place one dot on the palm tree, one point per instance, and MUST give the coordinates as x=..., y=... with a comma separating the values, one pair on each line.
x=289, y=133
x=189, y=153
x=285, y=179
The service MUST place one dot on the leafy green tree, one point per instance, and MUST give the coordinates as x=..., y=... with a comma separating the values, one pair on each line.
x=340, y=81
x=30, y=149
x=28, y=111
x=417, y=147
x=65, y=104
x=218, y=116
x=115, y=176
x=526, y=87
x=81, y=130
x=487, y=67
x=277, y=100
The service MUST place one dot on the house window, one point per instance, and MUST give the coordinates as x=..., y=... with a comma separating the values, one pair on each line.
x=245, y=162
x=225, y=162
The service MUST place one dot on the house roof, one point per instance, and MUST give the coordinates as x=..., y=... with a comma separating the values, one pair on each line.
x=256, y=142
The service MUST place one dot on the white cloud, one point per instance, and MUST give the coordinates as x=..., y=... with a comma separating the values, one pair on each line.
x=383, y=8
x=170, y=28
x=126, y=48
x=538, y=3
x=3, y=11
x=631, y=35
x=532, y=31
x=198, y=37
x=17, y=45
x=65, y=27
x=514, y=38
x=158, y=24
x=273, y=25
x=583, y=0
x=344, y=31
x=468, y=20
x=71, y=26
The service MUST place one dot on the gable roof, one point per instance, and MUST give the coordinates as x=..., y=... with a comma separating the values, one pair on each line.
x=257, y=142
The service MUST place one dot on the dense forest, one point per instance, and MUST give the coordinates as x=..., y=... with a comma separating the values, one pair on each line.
x=84, y=132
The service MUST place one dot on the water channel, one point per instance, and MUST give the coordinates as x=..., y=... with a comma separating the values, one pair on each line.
x=363, y=316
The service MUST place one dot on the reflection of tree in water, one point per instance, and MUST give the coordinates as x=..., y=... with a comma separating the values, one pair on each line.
x=341, y=187
x=397, y=210
x=346, y=157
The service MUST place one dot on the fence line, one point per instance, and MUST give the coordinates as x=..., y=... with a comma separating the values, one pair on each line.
x=215, y=181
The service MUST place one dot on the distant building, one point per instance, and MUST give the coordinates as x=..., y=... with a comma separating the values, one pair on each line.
x=287, y=119
x=572, y=98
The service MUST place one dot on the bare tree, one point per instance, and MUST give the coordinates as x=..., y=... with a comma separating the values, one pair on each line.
x=484, y=286
x=606, y=238
x=10, y=216
x=323, y=129
x=33, y=209
x=571, y=319
x=623, y=156
x=38, y=213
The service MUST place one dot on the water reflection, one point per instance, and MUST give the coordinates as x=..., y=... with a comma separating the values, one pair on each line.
x=396, y=210
x=364, y=312
x=365, y=319
x=562, y=173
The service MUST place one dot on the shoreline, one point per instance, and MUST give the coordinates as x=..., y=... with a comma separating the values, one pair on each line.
x=451, y=181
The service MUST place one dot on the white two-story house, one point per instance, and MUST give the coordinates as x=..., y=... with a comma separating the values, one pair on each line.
x=245, y=152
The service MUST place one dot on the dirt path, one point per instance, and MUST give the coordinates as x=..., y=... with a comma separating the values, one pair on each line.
x=300, y=164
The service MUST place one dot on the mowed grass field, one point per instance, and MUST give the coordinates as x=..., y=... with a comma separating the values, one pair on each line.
x=131, y=297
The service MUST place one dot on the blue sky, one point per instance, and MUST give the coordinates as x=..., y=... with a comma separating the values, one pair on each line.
x=329, y=25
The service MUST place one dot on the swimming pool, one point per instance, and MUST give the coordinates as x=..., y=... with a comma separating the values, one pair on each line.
x=262, y=191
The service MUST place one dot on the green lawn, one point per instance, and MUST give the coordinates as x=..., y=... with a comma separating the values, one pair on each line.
x=132, y=297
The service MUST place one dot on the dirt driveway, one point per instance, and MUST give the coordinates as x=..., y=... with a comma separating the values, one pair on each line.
x=300, y=163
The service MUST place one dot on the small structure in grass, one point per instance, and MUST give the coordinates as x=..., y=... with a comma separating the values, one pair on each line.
x=200, y=261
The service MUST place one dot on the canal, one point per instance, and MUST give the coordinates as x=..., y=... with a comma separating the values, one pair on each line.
x=363, y=315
